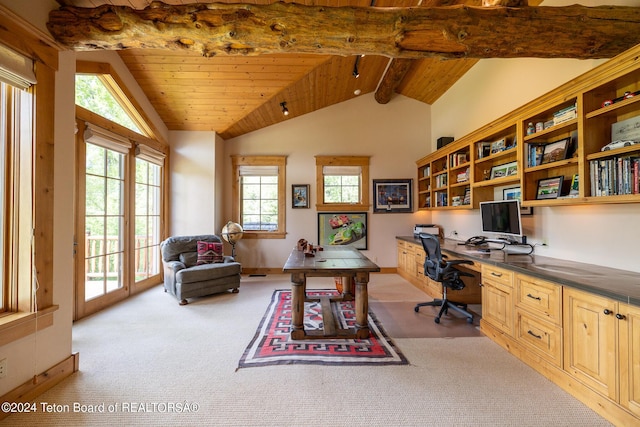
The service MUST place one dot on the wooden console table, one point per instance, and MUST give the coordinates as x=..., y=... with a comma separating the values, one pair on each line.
x=333, y=261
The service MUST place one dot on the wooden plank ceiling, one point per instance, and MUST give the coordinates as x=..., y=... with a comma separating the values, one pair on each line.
x=235, y=95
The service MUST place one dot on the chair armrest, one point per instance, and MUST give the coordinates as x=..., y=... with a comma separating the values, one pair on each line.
x=174, y=266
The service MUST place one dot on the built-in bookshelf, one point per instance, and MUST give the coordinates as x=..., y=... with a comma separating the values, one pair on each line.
x=558, y=148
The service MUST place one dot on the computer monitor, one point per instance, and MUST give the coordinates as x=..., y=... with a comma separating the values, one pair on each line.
x=501, y=217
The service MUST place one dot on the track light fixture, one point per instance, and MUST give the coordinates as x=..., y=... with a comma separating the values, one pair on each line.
x=285, y=110
x=356, y=73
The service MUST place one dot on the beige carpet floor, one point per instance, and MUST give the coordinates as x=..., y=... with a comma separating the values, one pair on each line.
x=148, y=353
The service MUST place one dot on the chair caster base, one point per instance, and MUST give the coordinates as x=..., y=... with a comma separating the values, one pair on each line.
x=183, y=302
x=235, y=290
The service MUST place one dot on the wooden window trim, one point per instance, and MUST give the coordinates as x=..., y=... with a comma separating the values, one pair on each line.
x=363, y=162
x=281, y=162
x=21, y=36
x=119, y=90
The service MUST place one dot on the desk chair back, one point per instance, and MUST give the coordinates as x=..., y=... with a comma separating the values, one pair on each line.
x=440, y=270
x=433, y=261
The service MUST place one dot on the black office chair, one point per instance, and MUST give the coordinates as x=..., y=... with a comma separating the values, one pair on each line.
x=440, y=270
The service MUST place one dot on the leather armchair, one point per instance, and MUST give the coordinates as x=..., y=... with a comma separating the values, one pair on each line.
x=184, y=279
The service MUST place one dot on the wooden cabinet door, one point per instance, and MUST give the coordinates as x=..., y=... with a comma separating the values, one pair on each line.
x=402, y=256
x=410, y=260
x=629, y=331
x=590, y=345
x=497, y=305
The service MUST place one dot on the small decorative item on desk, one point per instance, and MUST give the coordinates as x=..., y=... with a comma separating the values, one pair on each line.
x=309, y=251
x=302, y=244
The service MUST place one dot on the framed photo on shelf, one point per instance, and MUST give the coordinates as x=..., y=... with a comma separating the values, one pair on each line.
x=299, y=196
x=498, y=146
x=555, y=151
x=507, y=169
x=549, y=188
x=514, y=193
x=392, y=196
x=342, y=229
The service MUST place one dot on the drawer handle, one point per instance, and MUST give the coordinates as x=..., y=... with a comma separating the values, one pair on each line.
x=534, y=335
x=531, y=296
x=496, y=274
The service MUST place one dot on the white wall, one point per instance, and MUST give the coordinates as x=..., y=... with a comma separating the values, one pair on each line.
x=192, y=189
x=602, y=235
x=395, y=135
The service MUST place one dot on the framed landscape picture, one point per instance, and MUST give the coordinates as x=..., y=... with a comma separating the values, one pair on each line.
x=392, y=195
x=342, y=229
x=549, y=188
x=555, y=151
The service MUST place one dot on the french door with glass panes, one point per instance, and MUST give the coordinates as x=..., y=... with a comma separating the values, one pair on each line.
x=102, y=230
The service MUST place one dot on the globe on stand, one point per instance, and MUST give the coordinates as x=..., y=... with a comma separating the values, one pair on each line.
x=232, y=232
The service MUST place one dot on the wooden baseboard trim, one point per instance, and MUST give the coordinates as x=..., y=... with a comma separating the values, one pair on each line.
x=603, y=406
x=42, y=382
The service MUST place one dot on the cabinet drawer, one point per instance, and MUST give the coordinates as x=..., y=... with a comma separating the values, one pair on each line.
x=539, y=297
x=498, y=275
x=543, y=337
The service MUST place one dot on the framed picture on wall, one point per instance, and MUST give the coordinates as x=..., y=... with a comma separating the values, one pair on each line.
x=342, y=229
x=392, y=195
x=514, y=193
x=299, y=196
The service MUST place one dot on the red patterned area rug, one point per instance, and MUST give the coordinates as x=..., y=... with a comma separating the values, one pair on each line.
x=272, y=344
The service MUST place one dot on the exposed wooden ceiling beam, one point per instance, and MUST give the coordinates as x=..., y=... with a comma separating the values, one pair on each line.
x=452, y=32
x=393, y=76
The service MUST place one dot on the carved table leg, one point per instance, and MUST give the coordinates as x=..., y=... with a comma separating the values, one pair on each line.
x=298, y=293
x=362, y=305
x=347, y=288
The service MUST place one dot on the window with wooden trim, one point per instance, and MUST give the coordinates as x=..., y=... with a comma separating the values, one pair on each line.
x=259, y=195
x=16, y=182
x=342, y=183
x=121, y=180
x=148, y=210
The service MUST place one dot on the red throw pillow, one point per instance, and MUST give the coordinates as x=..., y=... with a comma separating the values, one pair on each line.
x=209, y=252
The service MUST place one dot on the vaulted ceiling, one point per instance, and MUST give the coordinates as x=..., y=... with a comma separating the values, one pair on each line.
x=236, y=94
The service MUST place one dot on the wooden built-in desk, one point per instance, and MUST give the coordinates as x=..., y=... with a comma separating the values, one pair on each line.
x=333, y=261
x=575, y=323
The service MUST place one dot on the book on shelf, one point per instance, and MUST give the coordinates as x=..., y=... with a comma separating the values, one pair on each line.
x=565, y=114
x=615, y=176
x=457, y=159
x=466, y=200
x=463, y=176
x=534, y=156
x=484, y=149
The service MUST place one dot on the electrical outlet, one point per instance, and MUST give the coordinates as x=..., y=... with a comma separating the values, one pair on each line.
x=3, y=368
